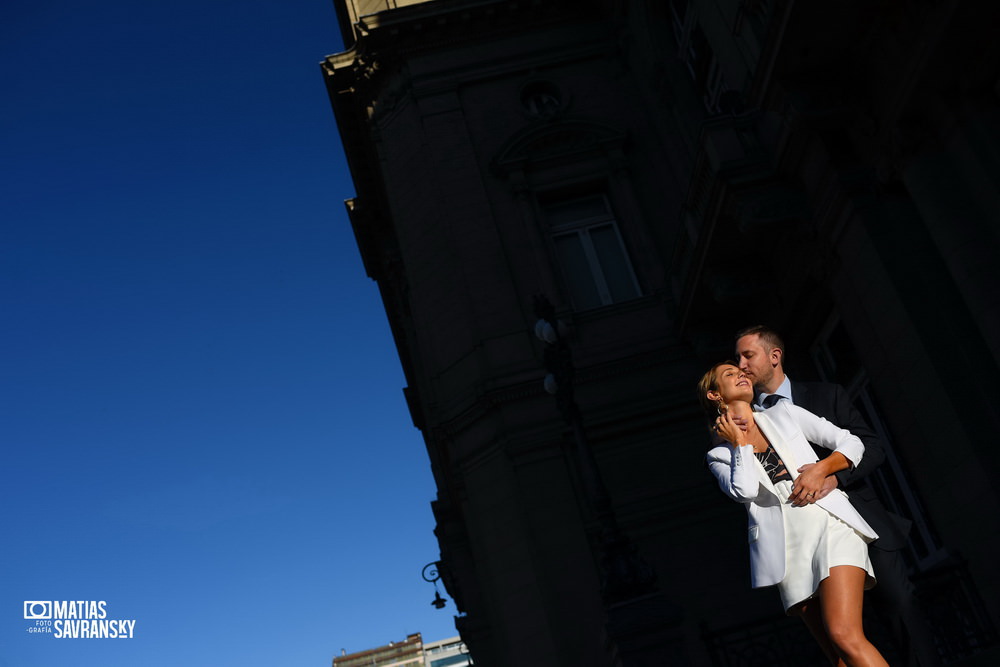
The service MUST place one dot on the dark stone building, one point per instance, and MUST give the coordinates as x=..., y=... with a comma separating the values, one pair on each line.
x=666, y=172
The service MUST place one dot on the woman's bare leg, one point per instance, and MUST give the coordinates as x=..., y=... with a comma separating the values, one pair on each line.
x=841, y=597
x=812, y=616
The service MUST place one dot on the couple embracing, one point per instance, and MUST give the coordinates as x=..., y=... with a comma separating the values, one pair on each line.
x=807, y=536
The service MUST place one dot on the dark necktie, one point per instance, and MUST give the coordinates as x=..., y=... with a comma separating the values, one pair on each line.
x=769, y=401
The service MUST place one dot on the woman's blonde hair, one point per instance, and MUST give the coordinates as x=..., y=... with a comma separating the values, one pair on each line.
x=710, y=382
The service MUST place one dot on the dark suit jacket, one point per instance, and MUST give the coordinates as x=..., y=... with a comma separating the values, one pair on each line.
x=831, y=402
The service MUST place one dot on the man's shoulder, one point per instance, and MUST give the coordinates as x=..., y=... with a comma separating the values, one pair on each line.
x=825, y=399
x=815, y=384
x=816, y=388
x=828, y=400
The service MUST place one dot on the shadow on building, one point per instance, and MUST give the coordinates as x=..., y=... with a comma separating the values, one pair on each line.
x=665, y=173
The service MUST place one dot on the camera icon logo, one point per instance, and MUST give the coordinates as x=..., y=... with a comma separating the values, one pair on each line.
x=37, y=610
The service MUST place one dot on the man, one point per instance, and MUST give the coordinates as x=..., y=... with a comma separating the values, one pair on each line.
x=760, y=352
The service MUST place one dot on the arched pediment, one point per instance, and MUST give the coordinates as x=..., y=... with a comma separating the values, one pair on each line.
x=553, y=143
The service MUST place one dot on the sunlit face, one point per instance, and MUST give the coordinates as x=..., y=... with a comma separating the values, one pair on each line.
x=757, y=361
x=732, y=384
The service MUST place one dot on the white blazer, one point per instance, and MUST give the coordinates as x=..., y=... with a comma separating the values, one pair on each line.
x=741, y=477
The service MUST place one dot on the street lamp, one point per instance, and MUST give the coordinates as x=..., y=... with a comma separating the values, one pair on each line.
x=431, y=575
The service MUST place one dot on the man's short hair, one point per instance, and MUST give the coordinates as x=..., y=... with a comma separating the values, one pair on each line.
x=769, y=337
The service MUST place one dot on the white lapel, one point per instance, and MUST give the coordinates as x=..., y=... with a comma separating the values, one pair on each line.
x=774, y=435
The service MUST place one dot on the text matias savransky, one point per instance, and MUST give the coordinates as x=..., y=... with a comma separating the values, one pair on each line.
x=77, y=619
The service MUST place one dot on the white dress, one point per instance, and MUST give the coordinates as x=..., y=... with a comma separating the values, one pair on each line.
x=815, y=541
x=794, y=547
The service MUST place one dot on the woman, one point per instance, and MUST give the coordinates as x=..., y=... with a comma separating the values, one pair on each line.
x=815, y=551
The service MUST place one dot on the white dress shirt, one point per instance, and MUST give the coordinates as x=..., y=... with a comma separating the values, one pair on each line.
x=784, y=391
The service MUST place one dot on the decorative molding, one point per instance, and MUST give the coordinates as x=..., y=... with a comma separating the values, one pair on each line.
x=555, y=141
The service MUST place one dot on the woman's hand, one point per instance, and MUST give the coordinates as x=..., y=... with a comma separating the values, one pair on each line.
x=730, y=430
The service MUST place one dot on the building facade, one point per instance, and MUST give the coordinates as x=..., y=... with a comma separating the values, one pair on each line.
x=407, y=653
x=665, y=173
x=450, y=652
x=411, y=652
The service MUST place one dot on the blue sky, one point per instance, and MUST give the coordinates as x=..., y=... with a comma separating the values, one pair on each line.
x=201, y=408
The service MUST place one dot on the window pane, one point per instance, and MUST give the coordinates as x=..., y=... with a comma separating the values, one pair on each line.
x=451, y=660
x=577, y=271
x=614, y=265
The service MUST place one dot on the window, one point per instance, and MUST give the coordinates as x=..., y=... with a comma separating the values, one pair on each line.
x=456, y=660
x=696, y=53
x=681, y=19
x=590, y=252
x=714, y=88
